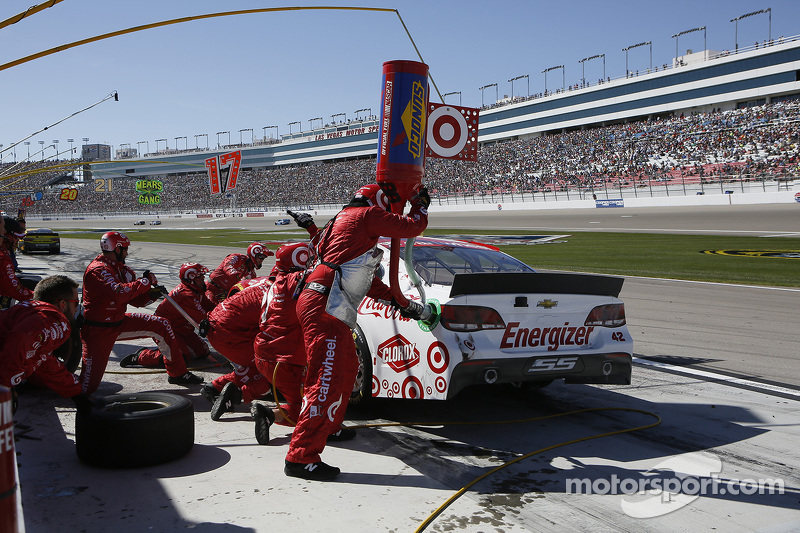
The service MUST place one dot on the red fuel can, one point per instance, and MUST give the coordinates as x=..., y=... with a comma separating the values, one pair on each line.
x=401, y=144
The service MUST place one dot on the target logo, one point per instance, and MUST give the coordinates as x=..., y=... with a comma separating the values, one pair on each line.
x=452, y=132
x=438, y=357
x=412, y=389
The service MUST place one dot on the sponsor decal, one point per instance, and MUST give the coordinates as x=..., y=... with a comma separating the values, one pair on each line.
x=398, y=353
x=786, y=254
x=387, y=115
x=379, y=309
x=412, y=388
x=547, y=304
x=516, y=337
x=333, y=408
x=797, y=197
x=413, y=119
x=327, y=369
x=438, y=357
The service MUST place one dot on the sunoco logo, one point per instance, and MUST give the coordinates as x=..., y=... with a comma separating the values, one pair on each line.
x=414, y=119
x=399, y=353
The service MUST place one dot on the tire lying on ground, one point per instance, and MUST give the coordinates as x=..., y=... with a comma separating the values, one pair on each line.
x=133, y=430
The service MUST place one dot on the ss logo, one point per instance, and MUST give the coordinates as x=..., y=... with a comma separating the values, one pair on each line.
x=553, y=363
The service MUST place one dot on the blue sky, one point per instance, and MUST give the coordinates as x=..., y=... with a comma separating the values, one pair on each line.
x=250, y=71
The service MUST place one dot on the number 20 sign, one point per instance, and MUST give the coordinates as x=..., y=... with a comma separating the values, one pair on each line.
x=223, y=171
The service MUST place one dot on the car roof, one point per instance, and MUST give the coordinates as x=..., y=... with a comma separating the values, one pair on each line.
x=435, y=241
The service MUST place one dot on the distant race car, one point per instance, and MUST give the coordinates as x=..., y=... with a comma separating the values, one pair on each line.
x=282, y=222
x=40, y=240
x=155, y=222
x=500, y=322
x=139, y=223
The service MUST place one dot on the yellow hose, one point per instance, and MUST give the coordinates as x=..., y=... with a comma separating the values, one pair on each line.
x=464, y=489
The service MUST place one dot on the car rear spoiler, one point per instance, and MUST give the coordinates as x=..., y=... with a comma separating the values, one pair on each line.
x=536, y=282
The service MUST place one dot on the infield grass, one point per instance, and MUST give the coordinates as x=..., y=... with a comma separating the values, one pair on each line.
x=623, y=254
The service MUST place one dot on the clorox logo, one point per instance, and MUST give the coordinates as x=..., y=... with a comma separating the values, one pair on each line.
x=414, y=119
x=398, y=353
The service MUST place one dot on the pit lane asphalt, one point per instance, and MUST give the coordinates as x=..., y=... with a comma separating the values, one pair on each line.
x=393, y=478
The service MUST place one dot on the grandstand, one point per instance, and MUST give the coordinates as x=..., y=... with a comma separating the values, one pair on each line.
x=708, y=119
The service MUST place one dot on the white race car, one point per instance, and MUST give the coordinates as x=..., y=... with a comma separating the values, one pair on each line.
x=501, y=322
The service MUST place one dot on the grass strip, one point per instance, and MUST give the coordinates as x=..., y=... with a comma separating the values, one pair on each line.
x=622, y=254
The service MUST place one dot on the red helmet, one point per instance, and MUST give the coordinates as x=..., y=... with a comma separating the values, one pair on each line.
x=374, y=195
x=291, y=257
x=190, y=271
x=113, y=239
x=258, y=249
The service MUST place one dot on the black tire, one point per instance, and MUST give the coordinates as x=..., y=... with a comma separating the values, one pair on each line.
x=134, y=430
x=362, y=387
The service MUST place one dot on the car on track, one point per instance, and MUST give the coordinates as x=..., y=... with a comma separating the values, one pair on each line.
x=500, y=323
x=40, y=240
x=155, y=222
x=139, y=223
x=282, y=222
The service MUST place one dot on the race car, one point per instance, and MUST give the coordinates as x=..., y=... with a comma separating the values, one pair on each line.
x=155, y=222
x=139, y=223
x=282, y=222
x=499, y=322
x=40, y=240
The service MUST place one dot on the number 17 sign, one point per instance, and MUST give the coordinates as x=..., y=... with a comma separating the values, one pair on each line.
x=223, y=171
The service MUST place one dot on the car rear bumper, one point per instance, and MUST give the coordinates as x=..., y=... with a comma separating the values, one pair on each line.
x=605, y=368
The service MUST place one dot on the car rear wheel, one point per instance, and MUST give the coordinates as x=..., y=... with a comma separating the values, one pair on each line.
x=362, y=388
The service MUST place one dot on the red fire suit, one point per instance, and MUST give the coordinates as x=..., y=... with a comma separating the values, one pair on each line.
x=234, y=326
x=108, y=288
x=29, y=332
x=192, y=346
x=233, y=268
x=280, y=353
x=9, y=283
x=332, y=360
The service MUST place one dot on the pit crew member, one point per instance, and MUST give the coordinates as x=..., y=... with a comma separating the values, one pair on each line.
x=190, y=294
x=32, y=330
x=326, y=308
x=234, y=268
x=108, y=287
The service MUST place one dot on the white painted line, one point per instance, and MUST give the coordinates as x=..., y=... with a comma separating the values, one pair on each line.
x=718, y=377
x=790, y=289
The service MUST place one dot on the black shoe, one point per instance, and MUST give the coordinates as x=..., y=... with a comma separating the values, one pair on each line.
x=186, y=379
x=318, y=471
x=342, y=435
x=131, y=360
x=264, y=418
x=209, y=392
x=227, y=401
